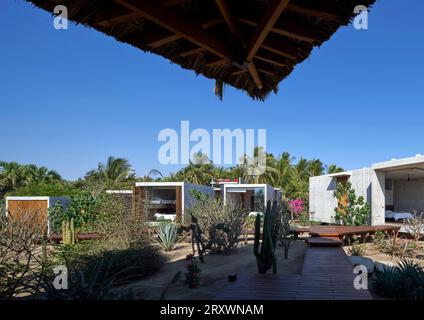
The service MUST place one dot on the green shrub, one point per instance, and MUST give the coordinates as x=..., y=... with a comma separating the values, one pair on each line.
x=358, y=249
x=44, y=189
x=350, y=210
x=97, y=270
x=405, y=281
x=82, y=209
x=167, y=235
x=394, y=246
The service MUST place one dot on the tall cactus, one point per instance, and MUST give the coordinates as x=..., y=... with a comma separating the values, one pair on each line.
x=265, y=250
x=68, y=232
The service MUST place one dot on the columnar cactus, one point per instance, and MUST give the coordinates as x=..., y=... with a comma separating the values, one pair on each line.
x=265, y=255
x=68, y=232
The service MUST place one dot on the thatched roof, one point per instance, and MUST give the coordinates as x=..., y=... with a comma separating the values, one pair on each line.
x=249, y=44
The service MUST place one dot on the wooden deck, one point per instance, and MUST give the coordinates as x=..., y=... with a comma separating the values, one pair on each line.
x=327, y=275
x=340, y=231
x=327, y=272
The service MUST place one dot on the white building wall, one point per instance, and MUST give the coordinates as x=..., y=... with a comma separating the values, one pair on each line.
x=321, y=199
x=378, y=200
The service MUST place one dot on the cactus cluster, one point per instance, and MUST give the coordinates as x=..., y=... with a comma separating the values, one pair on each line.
x=68, y=232
x=265, y=250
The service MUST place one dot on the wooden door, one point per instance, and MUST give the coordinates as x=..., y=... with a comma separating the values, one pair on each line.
x=32, y=212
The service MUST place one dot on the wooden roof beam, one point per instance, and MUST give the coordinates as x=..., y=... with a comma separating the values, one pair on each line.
x=287, y=28
x=192, y=51
x=272, y=58
x=229, y=19
x=165, y=40
x=326, y=13
x=176, y=24
x=281, y=47
x=270, y=17
x=318, y=13
x=218, y=62
x=254, y=74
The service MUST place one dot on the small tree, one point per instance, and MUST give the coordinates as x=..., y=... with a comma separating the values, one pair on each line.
x=351, y=210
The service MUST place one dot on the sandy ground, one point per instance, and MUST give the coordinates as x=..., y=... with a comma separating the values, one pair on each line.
x=373, y=253
x=214, y=272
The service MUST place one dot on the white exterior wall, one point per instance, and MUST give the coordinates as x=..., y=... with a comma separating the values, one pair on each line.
x=366, y=182
x=408, y=195
x=378, y=200
x=321, y=199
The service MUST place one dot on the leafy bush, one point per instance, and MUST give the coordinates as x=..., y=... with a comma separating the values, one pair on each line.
x=394, y=246
x=358, y=249
x=46, y=189
x=118, y=224
x=96, y=272
x=405, y=281
x=82, y=210
x=222, y=224
x=167, y=235
x=350, y=210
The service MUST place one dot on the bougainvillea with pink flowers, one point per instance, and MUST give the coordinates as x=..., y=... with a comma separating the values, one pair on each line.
x=296, y=207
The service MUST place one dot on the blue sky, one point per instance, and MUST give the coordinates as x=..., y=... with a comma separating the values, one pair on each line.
x=71, y=98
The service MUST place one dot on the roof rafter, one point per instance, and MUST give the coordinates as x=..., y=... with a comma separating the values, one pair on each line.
x=174, y=23
x=229, y=19
x=287, y=28
x=271, y=15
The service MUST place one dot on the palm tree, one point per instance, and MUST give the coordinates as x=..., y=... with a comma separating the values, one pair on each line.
x=152, y=175
x=316, y=168
x=115, y=171
x=10, y=175
x=259, y=168
x=332, y=168
x=285, y=170
x=197, y=173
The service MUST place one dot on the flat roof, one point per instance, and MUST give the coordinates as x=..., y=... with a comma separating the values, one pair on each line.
x=158, y=184
x=404, y=163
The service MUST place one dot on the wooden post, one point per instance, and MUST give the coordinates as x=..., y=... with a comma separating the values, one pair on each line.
x=178, y=204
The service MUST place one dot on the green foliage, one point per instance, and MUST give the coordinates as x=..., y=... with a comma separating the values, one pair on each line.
x=405, y=281
x=358, y=249
x=351, y=210
x=115, y=173
x=97, y=272
x=394, y=246
x=167, y=235
x=264, y=247
x=44, y=189
x=82, y=210
x=14, y=176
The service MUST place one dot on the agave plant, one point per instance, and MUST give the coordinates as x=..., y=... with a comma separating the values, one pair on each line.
x=404, y=281
x=167, y=235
